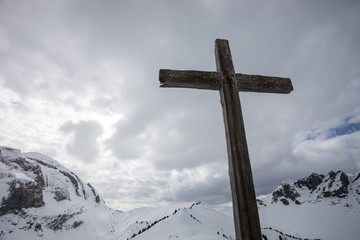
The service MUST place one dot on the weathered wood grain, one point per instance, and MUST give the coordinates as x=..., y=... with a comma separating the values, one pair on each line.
x=190, y=79
x=247, y=223
x=213, y=81
x=258, y=83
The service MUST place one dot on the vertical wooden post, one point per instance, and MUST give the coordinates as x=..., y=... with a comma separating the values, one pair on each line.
x=246, y=217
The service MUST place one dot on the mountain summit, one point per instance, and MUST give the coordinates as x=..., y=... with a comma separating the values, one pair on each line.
x=334, y=187
x=32, y=177
x=318, y=206
x=41, y=199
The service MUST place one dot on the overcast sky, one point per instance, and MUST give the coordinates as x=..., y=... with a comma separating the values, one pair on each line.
x=79, y=82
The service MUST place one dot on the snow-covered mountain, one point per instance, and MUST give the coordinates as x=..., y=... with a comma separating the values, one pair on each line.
x=318, y=206
x=40, y=199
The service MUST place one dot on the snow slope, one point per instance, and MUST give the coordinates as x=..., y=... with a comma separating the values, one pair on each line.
x=177, y=221
x=318, y=206
x=40, y=199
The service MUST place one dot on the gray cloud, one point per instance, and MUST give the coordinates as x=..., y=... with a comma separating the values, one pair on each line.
x=212, y=191
x=208, y=183
x=74, y=60
x=84, y=143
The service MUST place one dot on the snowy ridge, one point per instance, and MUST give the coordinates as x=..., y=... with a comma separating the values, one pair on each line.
x=315, y=207
x=333, y=188
x=41, y=199
x=178, y=221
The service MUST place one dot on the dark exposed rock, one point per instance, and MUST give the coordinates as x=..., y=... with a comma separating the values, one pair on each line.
x=77, y=224
x=357, y=190
x=97, y=197
x=61, y=194
x=286, y=191
x=82, y=185
x=284, y=201
x=73, y=181
x=24, y=193
x=358, y=176
x=59, y=222
x=44, y=163
x=32, y=168
x=38, y=227
x=311, y=182
x=340, y=192
x=260, y=202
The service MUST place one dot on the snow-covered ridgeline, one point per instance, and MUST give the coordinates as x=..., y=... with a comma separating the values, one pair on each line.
x=40, y=199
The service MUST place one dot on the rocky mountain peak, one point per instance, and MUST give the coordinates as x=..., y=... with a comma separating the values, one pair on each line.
x=318, y=187
x=27, y=177
x=41, y=199
x=311, y=182
x=285, y=192
x=336, y=185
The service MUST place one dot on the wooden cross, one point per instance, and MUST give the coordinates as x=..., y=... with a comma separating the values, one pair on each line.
x=246, y=217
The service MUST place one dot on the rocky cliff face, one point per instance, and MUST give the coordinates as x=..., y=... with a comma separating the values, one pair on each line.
x=25, y=183
x=27, y=177
x=317, y=187
x=320, y=206
x=37, y=193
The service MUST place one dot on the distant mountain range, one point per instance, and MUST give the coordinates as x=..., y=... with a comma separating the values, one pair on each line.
x=41, y=199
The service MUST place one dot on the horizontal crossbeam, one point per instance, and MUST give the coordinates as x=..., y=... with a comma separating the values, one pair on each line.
x=213, y=81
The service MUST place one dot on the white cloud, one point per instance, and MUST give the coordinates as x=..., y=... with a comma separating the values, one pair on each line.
x=328, y=148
